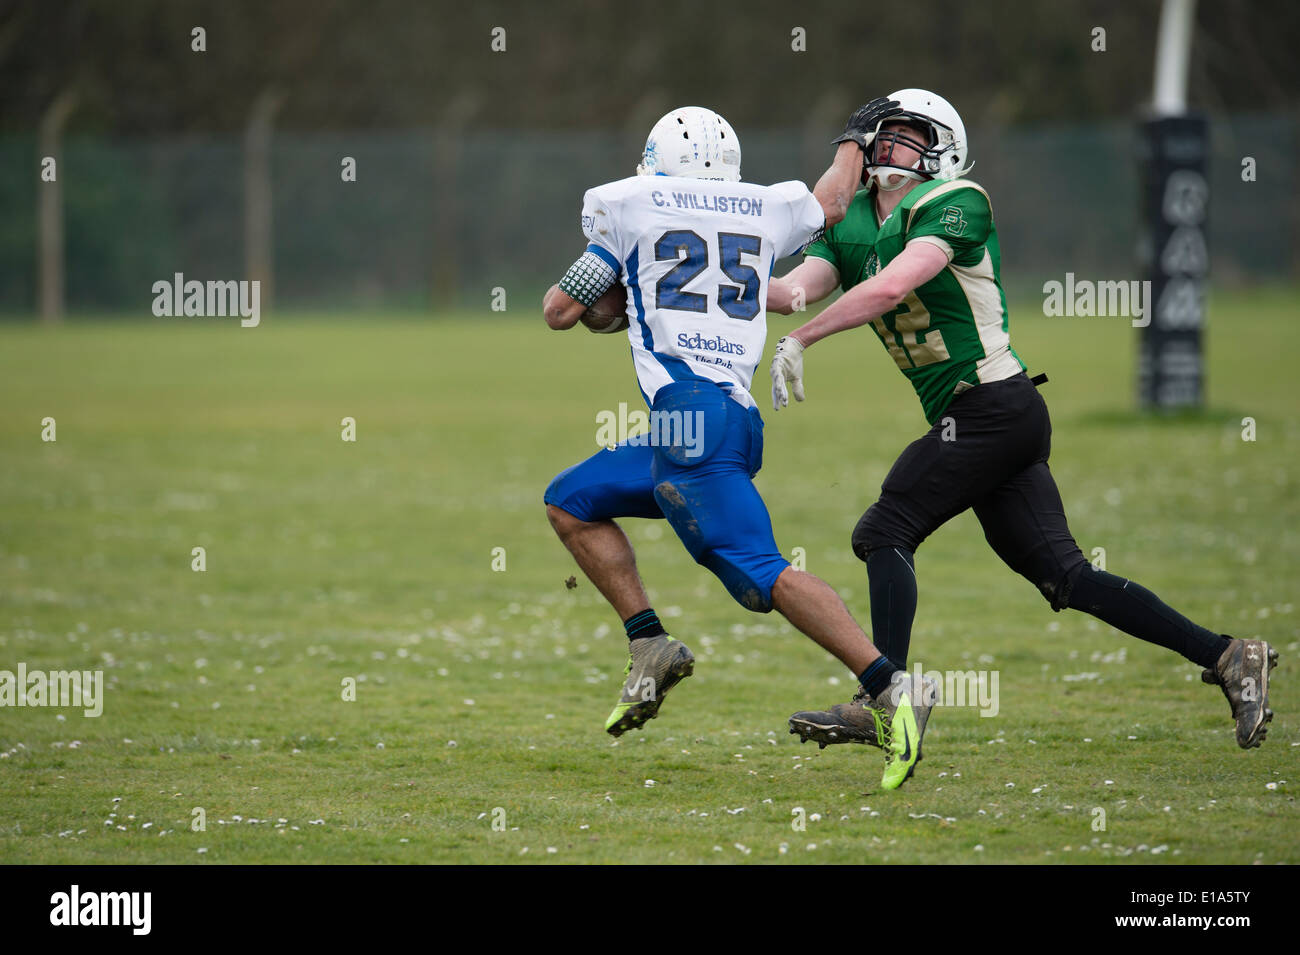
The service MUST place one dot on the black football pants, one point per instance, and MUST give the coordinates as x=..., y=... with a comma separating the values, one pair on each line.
x=988, y=452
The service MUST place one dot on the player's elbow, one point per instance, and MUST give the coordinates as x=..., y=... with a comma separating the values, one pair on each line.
x=833, y=209
x=556, y=317
x=556, y=310
x=778, y=298
x=784, y=304
x=559, y=318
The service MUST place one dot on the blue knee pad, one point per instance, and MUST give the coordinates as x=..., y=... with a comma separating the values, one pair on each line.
x=702, y=485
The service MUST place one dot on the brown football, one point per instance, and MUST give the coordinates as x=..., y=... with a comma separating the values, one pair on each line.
x=608, y=314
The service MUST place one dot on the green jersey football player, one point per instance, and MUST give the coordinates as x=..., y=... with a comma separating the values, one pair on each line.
x=918, y=259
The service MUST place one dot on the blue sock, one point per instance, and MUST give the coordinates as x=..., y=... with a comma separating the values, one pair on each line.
x=876, y=678
x=644, y=624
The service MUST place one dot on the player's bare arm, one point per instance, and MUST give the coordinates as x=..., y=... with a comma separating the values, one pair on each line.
x=560, y=310
x=811, y=280
x=589, y=292
x=837, y=185
x=915, y=265
x=834, y=191
x=817, y=277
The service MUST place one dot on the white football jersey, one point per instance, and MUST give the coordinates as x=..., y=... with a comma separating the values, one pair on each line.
x=696, y=256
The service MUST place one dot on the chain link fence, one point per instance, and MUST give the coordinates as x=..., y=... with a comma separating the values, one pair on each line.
x=440, y=219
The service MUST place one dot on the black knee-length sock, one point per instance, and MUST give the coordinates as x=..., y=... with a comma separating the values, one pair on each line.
x=1128, y=606
x=891, y=578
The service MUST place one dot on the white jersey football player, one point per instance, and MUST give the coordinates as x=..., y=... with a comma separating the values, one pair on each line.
x=694, y=247
x=695, y=254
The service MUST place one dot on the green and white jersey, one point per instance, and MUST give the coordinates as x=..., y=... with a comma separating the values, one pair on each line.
x=950, y=333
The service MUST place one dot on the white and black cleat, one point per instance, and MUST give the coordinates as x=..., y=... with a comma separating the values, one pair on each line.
x=1242, y=673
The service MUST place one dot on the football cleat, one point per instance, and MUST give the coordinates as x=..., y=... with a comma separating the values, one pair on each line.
x=1242, y=674
x=852, y=722
x=655, y=665
x=901, y=713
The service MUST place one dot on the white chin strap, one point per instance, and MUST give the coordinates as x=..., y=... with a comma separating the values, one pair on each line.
x=891, y=179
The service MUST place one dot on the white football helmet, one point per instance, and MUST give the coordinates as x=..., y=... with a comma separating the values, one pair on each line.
x=943, y=155
x=693, y=142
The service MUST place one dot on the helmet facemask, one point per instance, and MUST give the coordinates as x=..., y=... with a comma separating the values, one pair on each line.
x=938, y=141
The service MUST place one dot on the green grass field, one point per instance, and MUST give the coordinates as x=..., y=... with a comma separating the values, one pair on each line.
x=481, y=694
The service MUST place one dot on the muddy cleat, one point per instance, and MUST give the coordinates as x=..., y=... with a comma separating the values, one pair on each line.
x=1242, y=674
x=655, y=665
x=843, y=723
x=901, y=713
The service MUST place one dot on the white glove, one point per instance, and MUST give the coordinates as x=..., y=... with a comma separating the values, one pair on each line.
x=787, y=365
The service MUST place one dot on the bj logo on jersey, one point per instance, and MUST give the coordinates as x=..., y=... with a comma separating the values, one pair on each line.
x=683, y=430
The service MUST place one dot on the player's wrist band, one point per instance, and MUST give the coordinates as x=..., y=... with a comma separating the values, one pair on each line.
x=588, y=279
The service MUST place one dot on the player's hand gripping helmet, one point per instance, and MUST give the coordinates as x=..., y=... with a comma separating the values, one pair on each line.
x=943, y=154
x=693, y=142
